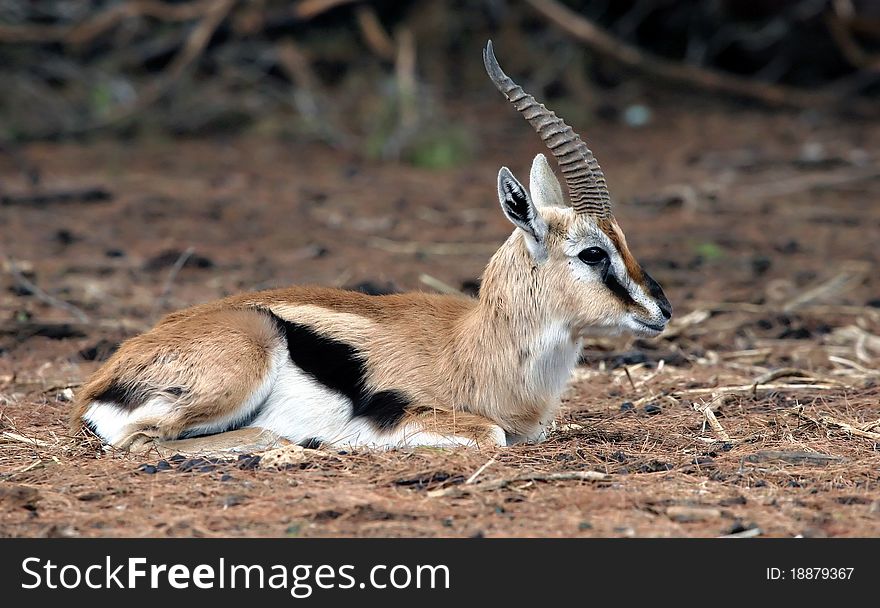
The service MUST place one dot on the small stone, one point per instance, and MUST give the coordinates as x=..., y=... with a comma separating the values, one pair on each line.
x=732, y=501
x=684, y=514
x=233, y=500
x=148, y=469
x=637, y=115
x=761, y=264
x=652, y=409
x=627, y=406
x=248, y=462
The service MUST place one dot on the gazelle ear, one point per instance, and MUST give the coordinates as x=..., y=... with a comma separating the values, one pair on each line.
x=543, y=184
x=521, y=211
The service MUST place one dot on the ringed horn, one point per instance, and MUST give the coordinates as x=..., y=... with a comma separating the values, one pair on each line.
x=584, y=178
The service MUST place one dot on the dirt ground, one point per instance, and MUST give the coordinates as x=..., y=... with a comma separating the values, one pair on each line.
x=763, y=229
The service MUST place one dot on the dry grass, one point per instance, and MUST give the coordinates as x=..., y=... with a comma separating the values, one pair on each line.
x=757, y=413
x=794, y=459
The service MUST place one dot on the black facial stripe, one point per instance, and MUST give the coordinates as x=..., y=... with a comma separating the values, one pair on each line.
x=341, y=368
x=618, y=290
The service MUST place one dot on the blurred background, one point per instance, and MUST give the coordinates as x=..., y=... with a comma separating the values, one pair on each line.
x=388, y=79
x=155, y=154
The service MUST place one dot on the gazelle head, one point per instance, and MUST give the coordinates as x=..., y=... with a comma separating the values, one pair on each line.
x=577, y=253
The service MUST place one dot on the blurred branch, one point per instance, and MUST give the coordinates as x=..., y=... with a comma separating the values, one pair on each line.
x=604, y=43
x=306, y=9
x=192, y=49
x=91, y=28
x=374, y=34
x=307, y=97
x=838, y=21
x=407, y=90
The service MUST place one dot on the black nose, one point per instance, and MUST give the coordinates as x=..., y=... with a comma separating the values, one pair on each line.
x=657, y=293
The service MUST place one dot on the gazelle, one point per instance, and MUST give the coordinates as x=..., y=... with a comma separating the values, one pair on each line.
x=309, y=364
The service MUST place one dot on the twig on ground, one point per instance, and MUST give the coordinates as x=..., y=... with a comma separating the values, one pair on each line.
x=862, y=341
x=629, y=377
x=169, y=280
x=852, y=365
x=29, y=467
x=870, y=425
x=853, y=274
x=29, y=440
x=477, y=473
x=679, y=325
x=792, y=457
x=803, y=183
x=39, y=198
x=785, y=372
x=824, y=420
x=24, y=282
x=498, y=484
x=749, y=533
x=706, y=410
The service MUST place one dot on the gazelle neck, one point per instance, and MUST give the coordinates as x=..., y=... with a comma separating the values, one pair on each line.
x=521, y=352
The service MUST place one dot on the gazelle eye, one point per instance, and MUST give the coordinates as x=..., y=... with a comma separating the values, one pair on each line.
x=592, y=255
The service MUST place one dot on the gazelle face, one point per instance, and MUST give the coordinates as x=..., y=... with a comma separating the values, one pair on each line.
x=605, y=275
x=584, y=269
x=579, y=257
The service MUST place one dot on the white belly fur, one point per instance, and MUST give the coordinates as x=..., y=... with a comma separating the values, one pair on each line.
x=290, y=403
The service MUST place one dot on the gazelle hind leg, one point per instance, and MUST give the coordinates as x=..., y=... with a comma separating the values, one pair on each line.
x=239, y=441
x=191, y=377
x=444, y=428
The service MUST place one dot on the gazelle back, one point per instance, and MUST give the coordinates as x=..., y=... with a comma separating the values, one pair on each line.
x=310, y=364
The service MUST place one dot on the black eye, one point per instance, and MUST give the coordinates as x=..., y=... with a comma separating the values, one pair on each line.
x=592, y=255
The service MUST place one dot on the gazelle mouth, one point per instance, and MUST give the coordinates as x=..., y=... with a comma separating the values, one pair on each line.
x=652, y=326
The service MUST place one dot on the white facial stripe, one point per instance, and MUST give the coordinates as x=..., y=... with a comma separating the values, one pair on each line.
x=579, y=239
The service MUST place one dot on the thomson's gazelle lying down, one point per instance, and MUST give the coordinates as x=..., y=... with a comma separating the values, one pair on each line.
x=309, y=364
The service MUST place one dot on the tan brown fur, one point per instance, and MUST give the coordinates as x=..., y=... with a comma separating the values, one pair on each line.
x=451, y=356
x=612, y=229
x=217, y=356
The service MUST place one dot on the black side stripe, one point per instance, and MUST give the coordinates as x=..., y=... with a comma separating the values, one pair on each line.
x=131, y=397
x=125, y=397
x=340, y=367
